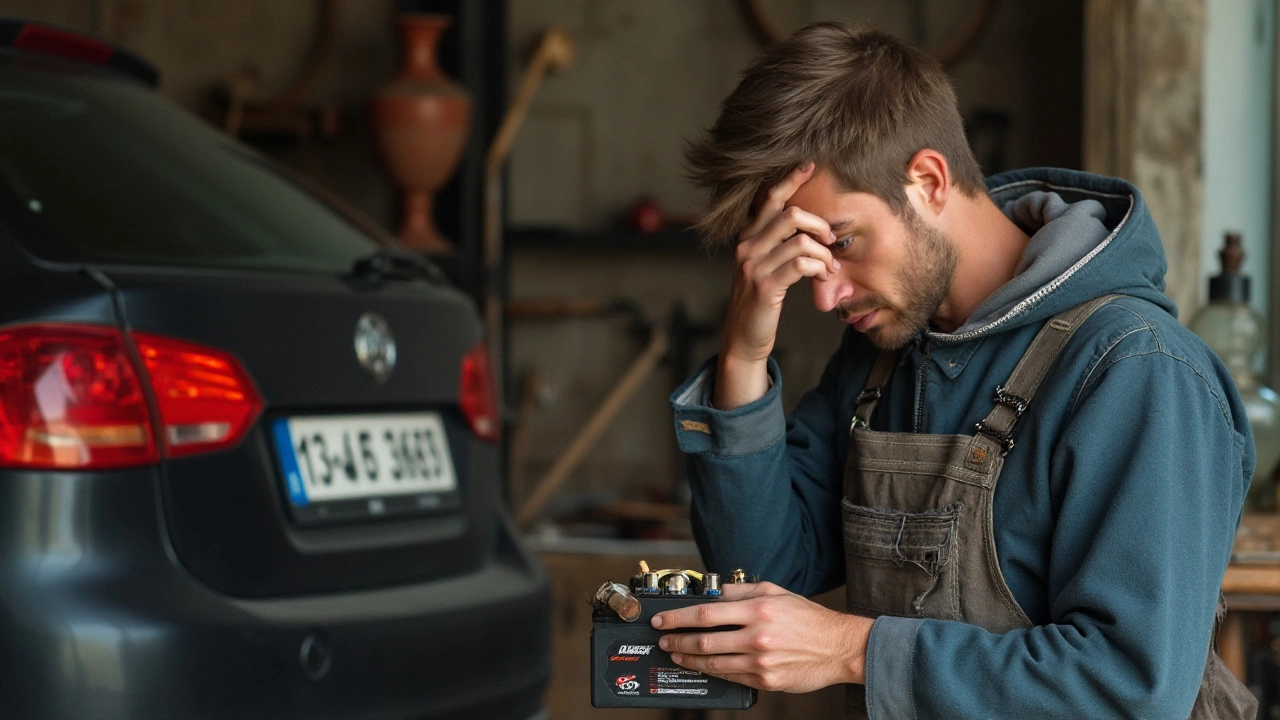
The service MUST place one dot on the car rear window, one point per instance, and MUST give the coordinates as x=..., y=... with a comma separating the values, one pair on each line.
x=102, y=171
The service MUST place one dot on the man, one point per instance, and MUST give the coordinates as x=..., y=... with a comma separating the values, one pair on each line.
x=1023, y=530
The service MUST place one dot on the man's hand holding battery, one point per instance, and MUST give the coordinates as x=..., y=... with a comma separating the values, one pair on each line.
x=784, y=642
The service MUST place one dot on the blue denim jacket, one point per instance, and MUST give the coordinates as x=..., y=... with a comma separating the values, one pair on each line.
x=1114, y=516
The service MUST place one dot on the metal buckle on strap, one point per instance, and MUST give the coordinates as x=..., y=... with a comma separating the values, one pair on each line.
x=865, y=397
x=1005, y=439
x=868, y=395
x=1004, y=397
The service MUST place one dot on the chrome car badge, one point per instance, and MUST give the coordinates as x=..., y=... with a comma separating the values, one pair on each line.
x=375, y=347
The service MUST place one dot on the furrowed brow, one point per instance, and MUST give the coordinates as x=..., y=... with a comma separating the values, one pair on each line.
x=840, y=226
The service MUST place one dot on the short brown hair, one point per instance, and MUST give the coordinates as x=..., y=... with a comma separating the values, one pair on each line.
x=858, y=101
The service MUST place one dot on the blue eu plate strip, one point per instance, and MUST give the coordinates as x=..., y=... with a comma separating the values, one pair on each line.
x=289, y=462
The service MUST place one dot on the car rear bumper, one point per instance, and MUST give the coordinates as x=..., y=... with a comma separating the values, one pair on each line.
x=100, y=621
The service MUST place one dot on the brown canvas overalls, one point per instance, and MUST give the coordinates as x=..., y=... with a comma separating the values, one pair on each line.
x=917, y=519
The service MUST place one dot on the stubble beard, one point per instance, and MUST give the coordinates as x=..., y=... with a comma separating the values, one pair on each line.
x=925, y=278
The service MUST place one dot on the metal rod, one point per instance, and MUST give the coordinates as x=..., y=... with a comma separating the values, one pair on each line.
x=594, y=427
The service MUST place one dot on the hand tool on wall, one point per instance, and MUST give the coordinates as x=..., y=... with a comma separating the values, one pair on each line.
x=641, y=368
x=673, y=343
x=554, y=52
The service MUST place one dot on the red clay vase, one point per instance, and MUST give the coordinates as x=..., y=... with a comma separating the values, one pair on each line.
x=420, y=123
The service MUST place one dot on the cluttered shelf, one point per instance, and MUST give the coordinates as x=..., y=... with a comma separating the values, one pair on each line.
x=679, y=238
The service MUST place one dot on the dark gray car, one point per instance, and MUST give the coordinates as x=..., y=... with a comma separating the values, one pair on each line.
x=247, y=450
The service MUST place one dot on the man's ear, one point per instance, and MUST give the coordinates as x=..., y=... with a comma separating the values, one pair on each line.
x=928, y=181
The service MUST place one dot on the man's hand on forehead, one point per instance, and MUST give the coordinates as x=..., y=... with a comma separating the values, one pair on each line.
x=779, y=246
x=803, y=170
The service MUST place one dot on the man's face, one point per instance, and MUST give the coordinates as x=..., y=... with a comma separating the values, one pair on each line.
x=894, y=272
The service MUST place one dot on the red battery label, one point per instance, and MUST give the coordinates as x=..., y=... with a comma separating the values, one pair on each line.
x=645, y=669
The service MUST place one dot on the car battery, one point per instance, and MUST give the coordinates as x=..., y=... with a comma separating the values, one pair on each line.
x=629, y=670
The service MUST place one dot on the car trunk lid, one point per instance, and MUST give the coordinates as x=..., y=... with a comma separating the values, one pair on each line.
x=235, y=518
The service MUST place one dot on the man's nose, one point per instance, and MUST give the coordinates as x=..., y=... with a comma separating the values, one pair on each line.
x=830, y=291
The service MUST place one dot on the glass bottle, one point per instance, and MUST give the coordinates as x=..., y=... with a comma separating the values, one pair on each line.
x=1237, y=333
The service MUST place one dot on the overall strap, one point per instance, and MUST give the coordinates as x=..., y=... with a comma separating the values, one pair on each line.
x=1016, y=394
x=876, y=382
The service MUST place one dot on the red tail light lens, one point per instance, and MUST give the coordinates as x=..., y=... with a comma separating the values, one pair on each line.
x=53, y=41
x=207, y=402
x=476, y=396
x=70, y=398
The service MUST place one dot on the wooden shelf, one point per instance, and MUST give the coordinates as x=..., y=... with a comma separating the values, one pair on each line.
x=606, y=239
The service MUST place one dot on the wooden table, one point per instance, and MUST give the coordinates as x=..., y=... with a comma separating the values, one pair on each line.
x=1251, y=583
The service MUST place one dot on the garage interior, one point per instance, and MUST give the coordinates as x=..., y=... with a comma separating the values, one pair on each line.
x=574, y=236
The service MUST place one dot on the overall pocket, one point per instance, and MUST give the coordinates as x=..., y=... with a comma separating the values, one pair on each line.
x=900, y=563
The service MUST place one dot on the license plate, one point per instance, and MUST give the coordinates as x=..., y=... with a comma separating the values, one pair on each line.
x=357, y=460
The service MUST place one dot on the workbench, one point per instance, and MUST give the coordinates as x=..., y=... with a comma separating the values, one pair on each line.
x=578, y=566
x=1251, y=583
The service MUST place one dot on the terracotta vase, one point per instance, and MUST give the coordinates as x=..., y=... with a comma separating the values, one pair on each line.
x=420, y=122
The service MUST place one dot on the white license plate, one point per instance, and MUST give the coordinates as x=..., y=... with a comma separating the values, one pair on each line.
x=348, y=457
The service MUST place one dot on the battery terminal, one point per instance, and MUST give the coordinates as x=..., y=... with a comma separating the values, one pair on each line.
x=618, y=598
x=674, y=581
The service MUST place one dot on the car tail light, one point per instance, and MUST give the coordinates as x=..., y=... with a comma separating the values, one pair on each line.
x=52, y=41
x=71, y=398
x=207, y=402
x=47, y=40
x=476, y=396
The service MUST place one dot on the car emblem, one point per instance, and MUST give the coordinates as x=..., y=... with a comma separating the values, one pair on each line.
x=375, y=347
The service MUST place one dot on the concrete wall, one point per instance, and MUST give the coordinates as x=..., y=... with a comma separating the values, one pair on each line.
x=649, y=76
x=197, y=44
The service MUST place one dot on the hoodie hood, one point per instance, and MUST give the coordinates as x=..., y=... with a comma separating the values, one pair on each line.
x=1090, y=236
